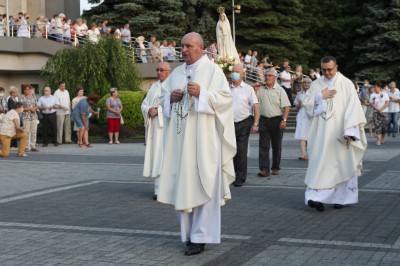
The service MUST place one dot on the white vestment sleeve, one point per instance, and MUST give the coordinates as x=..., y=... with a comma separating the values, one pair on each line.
x=353, y=132
x=201, y=104
x=320, y=104
x=167, y=105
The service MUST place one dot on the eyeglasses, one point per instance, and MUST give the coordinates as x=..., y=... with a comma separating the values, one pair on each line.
x=328, y=69
x=268, y=76
x=161, y=70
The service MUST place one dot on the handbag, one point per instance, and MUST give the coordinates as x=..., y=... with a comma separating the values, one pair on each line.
x=122, y=120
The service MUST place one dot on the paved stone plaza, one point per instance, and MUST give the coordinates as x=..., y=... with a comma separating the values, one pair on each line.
x=74, y=206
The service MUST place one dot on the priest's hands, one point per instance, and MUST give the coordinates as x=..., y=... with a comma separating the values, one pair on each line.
x=328, y=93
x=193, y=89
x=176, y=95
x=153, y=111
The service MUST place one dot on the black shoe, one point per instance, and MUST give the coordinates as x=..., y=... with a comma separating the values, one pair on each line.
x=237, y=184
x=56, y=144
x=338, y=206
x=187, y=243
x=316, y=205
x=155, y=197
x=194, y=249
x=44, y=145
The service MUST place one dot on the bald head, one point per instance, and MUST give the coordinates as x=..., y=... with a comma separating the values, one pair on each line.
x=163, y=71
x=192, y=47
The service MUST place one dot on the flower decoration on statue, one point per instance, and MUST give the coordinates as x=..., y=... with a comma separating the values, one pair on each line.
x=226, y=63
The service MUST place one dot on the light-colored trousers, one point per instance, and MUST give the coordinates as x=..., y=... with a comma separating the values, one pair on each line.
x=63, y=123
x=31, y=129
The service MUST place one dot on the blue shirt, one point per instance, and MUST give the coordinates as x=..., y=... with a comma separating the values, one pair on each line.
x=81, y=108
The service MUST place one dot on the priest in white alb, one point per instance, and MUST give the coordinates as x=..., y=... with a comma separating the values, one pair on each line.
x=336, y=140
x=199, y=145
x=153, y=120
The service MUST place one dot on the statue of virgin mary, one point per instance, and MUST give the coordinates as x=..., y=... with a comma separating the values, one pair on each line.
x=226, y=47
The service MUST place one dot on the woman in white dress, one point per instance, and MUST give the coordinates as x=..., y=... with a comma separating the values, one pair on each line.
x=226, y=47
x=303, y=122
x=23, y=29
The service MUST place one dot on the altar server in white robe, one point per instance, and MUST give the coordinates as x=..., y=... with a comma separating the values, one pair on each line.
x=199, y=145
x=336, y=140
x=153, y=120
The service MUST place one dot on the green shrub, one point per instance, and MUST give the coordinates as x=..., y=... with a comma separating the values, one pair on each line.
x=95, y=67
x=131, y=113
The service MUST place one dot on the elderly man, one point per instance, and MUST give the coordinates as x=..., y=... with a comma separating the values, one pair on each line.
x=153, y=119
x=48, y=105
x=245, y=102
x=336, y=139
x=273, y=99
x=199, y=145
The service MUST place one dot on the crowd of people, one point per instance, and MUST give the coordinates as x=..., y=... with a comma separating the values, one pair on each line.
x=62, y=29
x=206, y=122
x=20, y=116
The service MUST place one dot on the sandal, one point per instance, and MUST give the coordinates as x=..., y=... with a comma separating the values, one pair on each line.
x=110, y=142
x=82, y=146
x=89, y=145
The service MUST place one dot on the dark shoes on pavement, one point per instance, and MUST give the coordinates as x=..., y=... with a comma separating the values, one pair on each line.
x=320, y=207
x=338, y=206
x=238, y=184
x=194, y=249
x=263, y=173
x=316, y=205
x=155, y=197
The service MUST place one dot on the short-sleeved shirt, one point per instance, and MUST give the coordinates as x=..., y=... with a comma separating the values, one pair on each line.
x=115, y=105
x=81, y=108
x=243, y=100
x=29, y=102
x=272, y=100
x=379, y=100
x=47, y=101
x=394, y=107
x=7, y=127
x=285, y=75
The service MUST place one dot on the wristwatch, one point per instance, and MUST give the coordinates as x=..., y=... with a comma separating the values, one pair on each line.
x=255, y=125
x=284, y=119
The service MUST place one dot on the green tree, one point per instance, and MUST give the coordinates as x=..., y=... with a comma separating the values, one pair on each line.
x=379, y=51
x=95, y=67
x=330, y=27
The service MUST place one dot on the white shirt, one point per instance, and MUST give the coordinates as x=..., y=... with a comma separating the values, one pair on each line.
x=247, y=59
x=128, y=33
x=244, y=98
x=394, y=107
x=47, y=101
x=63, y=98
x=379, y=100
x=285, y=75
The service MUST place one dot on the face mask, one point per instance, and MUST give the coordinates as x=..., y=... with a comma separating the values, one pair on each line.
x=235, y=76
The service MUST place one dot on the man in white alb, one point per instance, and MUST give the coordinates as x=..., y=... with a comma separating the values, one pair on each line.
x=336, y=140
x=153, y=120
x=199, y=145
